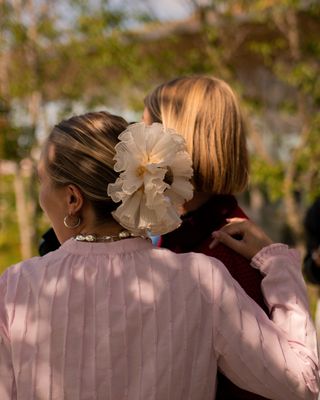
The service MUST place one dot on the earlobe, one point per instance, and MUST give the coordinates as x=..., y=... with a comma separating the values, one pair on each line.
x=74, y=198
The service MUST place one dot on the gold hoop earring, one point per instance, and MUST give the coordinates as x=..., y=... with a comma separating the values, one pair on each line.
x=67, y=225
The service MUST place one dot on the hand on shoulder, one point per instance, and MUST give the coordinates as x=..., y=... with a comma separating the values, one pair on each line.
x=250, y=238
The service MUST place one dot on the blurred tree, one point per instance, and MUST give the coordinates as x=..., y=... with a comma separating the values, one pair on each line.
x=294, y=58
x=93, y=53
x=46, y=59
x=279, y=38
x=59, y=52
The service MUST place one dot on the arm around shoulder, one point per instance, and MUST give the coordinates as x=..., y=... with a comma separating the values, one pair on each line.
x=275, y=358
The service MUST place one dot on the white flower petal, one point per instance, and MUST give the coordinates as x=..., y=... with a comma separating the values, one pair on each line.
x=127, y=213
x=167, y=146
x=114, y=191
x=181, y=188
x=182, y=165
x=144, y=156
x=128, y=155
x=131, y=181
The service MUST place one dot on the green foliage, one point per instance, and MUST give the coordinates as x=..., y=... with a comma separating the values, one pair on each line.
x=308, y=163
x=15, y=142
x=9, y=236
x=268, y=50
x=88, y=55
x=289, y=50
x=269, y=178
x=9, y=232
x=18, y=142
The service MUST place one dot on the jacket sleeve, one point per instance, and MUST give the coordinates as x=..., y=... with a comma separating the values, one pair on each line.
x=275, y=358
x=7, y=381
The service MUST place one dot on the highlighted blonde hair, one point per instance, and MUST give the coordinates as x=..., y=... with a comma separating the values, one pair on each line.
x=206, y=112
x=80, y=151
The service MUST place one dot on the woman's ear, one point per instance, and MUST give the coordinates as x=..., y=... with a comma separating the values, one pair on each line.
x=75, y=199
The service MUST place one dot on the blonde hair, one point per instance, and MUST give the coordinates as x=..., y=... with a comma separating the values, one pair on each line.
x=206, y=112
x=80, y=151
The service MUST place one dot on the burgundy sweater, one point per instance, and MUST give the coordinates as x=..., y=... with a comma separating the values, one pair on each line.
x=194, y=235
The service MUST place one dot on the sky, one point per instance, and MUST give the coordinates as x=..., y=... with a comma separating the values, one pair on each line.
x=169, y=9
x=163, y=9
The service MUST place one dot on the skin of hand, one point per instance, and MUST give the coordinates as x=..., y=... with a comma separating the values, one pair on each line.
x=250, y=238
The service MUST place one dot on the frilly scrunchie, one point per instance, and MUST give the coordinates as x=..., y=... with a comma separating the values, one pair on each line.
x=154, y=180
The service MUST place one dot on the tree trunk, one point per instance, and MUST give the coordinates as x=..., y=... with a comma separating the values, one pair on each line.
x=288, y=25
x=24, y=224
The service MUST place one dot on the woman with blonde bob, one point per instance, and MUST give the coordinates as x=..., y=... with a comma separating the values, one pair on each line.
x=110, y=316
x=206, y=112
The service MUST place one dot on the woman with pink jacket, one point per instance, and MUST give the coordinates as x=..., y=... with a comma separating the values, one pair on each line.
x=110, y=316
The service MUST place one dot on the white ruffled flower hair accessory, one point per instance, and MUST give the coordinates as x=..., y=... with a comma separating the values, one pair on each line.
x=154, y=181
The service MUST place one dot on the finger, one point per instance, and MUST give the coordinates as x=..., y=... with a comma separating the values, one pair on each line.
x=214, y=242
x=229, y=241
x=235, y=219
x=234, y=228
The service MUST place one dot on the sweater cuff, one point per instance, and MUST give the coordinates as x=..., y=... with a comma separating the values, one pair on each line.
x=275, y=249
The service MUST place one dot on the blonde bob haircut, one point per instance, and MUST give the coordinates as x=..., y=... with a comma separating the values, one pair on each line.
x=80, y=151
x=206, y=112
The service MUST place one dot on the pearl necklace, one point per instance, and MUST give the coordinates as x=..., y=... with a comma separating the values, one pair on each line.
x=90, y=237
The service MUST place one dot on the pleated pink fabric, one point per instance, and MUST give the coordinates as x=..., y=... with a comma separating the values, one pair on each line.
x=126, y=320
